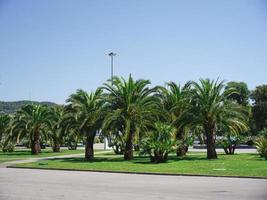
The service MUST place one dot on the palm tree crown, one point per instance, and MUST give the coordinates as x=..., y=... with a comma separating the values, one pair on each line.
x=211, y=108
x=31, y=121
x=132, y=104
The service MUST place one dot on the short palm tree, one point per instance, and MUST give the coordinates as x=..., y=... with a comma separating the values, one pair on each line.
x=56, y=131
x=70, y=128
x=176, y=104
x=30, y=122
x=87, y=111
x=159, y=142
x=211, y=108
x=131, y=106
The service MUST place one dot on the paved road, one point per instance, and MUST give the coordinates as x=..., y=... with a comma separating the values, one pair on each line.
x=29, y=184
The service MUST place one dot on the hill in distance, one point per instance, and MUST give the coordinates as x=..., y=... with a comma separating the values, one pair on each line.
x=9, y=107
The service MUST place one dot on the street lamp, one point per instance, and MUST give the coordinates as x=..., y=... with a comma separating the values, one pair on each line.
x=112, y=54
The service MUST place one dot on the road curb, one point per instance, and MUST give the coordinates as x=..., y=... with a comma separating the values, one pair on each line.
x=139, y=173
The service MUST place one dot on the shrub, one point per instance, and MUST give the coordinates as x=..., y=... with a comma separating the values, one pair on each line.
x=182, y=145
x=229, y=144
x=9, y=147
x=159, y=143
x=250, y=142
x=261, y=145
x=97, y=140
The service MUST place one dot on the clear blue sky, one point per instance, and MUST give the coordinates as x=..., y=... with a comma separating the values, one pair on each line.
x=48, y=49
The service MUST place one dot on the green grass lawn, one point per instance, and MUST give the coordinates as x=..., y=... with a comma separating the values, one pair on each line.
x=193, y=163
x=20, y=154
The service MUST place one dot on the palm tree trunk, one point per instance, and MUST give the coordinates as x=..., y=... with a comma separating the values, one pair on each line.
x=89, y=147
x=56, y=147
x=128, y=153
x=35, y=144
x=210, y=137
x=181, y=149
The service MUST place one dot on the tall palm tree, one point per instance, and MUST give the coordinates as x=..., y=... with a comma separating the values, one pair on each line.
x=87, y=111
x=132, y=104
x=210, y=108
x=176, y=104
x=31, y=121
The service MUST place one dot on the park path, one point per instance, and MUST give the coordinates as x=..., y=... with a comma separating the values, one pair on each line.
x=28, y=160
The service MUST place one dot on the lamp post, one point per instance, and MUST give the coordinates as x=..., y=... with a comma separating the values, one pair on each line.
x=112, y=54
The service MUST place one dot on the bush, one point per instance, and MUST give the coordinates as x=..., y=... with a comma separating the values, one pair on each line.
x=261, y=145
x=97, y=140
x=10, y=147
x=159, y=143
x=229, y=144
x=250, y=143
x=182, y=145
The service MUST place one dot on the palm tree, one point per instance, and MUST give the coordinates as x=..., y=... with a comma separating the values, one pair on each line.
x=30, y=122
x=176, y=104
x=71, y=129
x=88, y=115
x=210, y=108
x=132, y=106
x=4, y=124
x=56, y=131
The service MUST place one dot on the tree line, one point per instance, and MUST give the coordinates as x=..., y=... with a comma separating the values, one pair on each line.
x=151, y=120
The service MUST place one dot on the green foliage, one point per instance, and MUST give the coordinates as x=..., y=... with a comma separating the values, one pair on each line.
x=159, y=143
x=4, y=125
x=229, y=143
x=212, y=110
x=116, y=141
x=263, y=133
x=30, y=122
x=241, y=94
x=11, y=107
x=9, y=147
x=131, y=109
x=175, y=102
x=55, y=131
x=261, y=145
x=85, y=114
x=97, y=140
x=259, y=97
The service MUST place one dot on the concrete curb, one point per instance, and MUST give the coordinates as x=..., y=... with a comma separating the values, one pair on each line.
x=140, y=173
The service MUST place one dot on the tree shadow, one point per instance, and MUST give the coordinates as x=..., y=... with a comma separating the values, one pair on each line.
x=95, y=160
x=170, y=159
x=136, y=160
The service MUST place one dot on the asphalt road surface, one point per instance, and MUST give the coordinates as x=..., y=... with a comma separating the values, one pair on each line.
x=34, y=184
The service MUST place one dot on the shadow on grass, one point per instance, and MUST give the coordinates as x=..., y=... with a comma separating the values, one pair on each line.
x=112, y=158
x=136, y=160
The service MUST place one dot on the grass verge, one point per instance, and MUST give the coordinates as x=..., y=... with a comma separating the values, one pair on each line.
x=194, y=164
x=26, y=153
